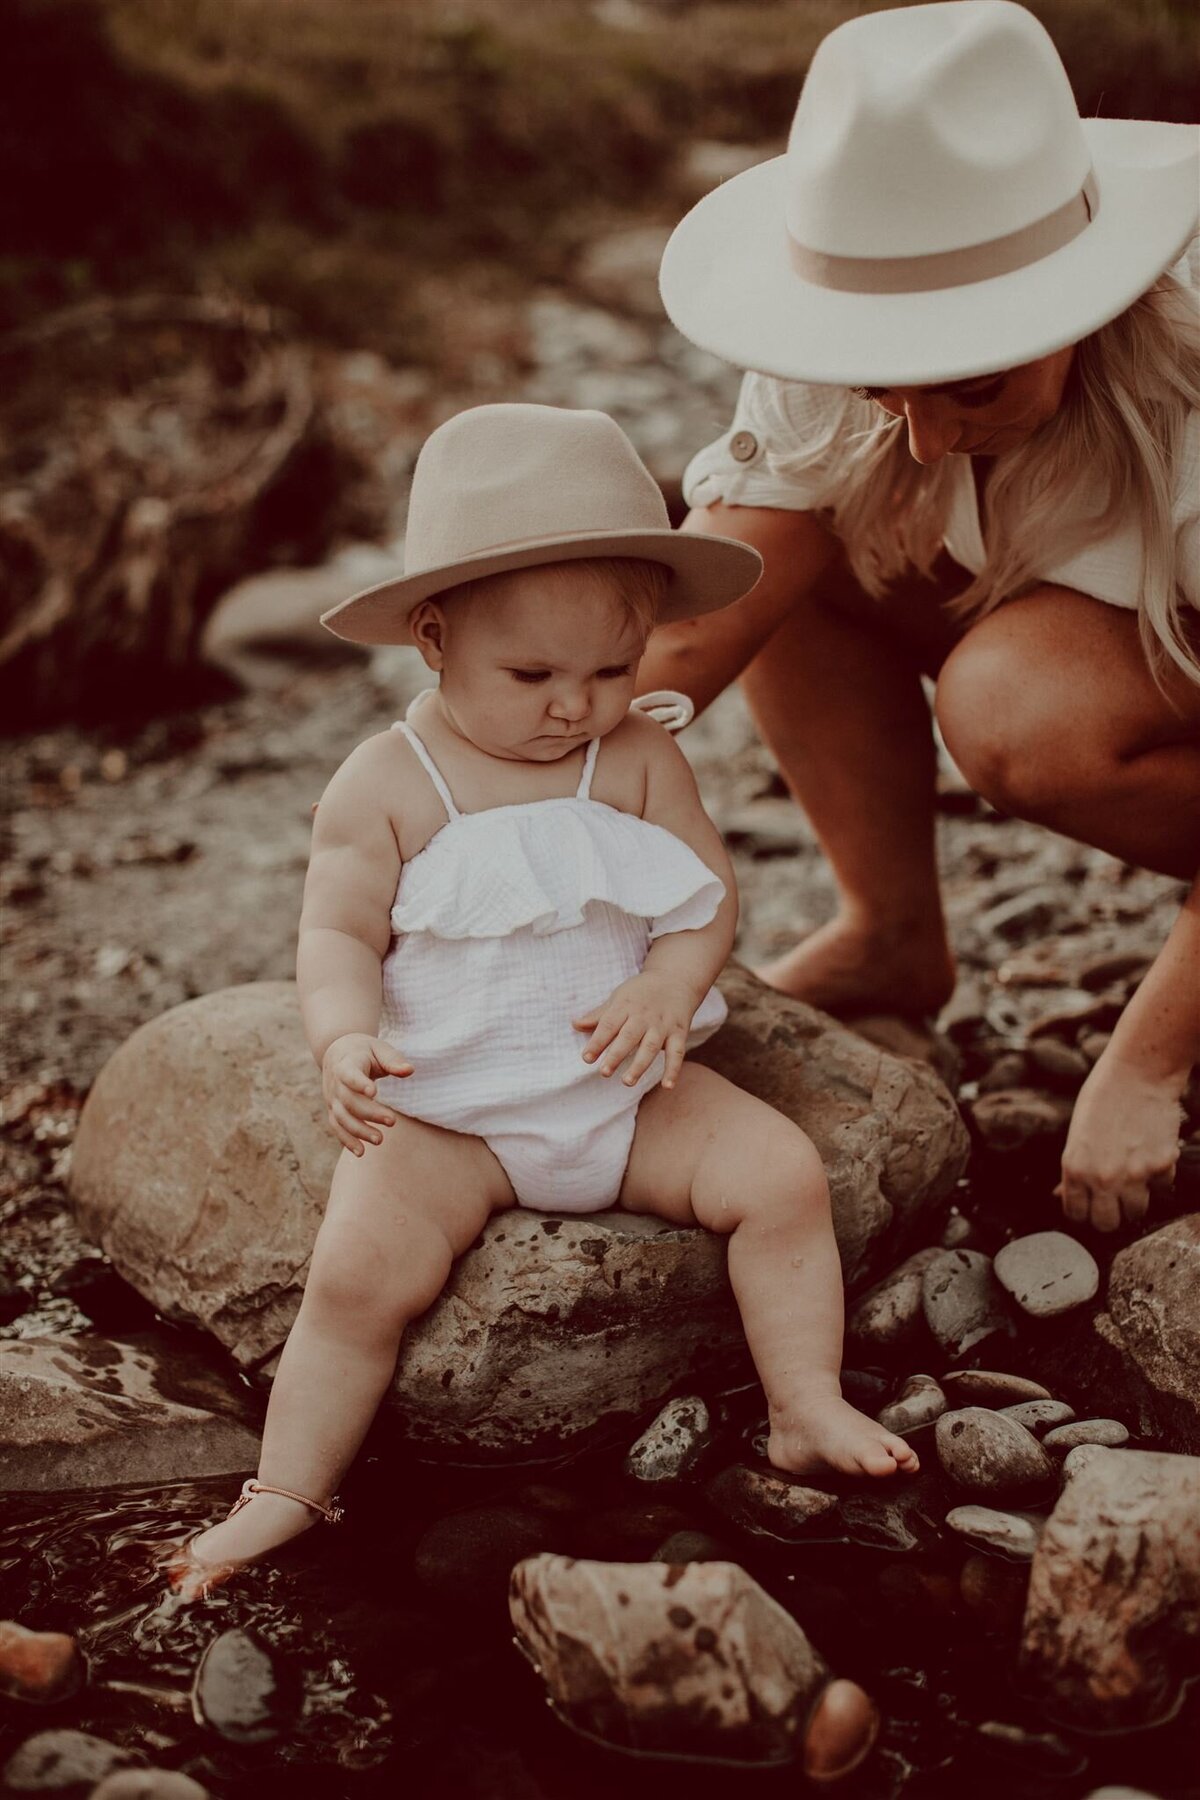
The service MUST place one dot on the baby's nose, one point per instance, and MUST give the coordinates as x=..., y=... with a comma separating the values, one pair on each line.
x=570, y=703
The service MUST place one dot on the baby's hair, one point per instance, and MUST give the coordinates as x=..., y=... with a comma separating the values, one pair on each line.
x=634, y=582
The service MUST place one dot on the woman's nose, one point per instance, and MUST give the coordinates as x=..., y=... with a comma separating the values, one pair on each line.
x=932, y=432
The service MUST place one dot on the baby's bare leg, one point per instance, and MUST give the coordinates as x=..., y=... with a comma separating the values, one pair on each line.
x=706, y=1153
x=397, y=1217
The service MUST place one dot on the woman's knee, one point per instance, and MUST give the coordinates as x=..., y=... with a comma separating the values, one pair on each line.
x=1008, y=730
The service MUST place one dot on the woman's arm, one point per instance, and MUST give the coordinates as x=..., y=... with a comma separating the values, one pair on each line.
x=701, y=657
x=1125, y=1128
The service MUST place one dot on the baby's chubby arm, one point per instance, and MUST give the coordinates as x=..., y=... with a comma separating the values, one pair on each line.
x=345, y=929
x=653, y=1011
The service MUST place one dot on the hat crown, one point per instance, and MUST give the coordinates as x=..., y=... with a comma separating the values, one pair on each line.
x=507, y=474
x=931, y=128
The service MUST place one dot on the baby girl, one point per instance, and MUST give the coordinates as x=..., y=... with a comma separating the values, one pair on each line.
x=515, y=910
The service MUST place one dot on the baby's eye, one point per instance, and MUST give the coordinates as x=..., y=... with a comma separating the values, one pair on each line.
x=614, y=674
x=530, y=675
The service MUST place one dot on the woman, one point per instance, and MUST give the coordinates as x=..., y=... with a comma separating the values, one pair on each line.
x=969, y=446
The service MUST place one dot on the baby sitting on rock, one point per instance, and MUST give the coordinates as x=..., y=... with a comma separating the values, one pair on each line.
x=515, y=910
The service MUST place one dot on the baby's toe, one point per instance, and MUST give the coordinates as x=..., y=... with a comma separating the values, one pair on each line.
x=877, y=1459
x=906, y=1457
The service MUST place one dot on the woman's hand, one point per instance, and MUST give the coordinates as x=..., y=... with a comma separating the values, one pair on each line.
x=348, y=1069
x=646, y=1014
x=1124, y=1135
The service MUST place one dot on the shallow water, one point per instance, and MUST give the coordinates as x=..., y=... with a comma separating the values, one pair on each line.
x=405, y=1669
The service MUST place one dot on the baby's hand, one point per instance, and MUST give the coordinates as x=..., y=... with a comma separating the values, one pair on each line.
x=1124, y=1135
x=644, y=1015
x=347, y=1071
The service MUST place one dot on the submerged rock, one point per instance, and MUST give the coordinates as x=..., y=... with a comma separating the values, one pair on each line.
x=1047, y=1273
x=149, y=1784
x=203, y=1162
x=688, y=1658
x=1112, y=1625
x=38, y=1666
x=767, y=1503
x=243, y=1692
x=63, y=1761
x=841, y=1732
x=92, y=1412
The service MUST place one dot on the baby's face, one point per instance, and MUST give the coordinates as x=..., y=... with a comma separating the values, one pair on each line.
x=531, y=675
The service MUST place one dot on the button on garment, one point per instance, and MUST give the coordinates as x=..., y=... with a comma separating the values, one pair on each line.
x=509, y=924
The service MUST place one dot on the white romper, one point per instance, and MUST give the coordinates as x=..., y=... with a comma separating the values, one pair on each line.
x=510, y=923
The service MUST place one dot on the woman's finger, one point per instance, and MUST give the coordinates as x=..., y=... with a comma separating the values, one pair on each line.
x=1075, y=1198
x=1135, y=1200
x=1105, y=1210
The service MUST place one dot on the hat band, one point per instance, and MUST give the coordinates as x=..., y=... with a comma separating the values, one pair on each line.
x=950, y=268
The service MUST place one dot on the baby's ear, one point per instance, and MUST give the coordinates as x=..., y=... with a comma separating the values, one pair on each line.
x=427, y=623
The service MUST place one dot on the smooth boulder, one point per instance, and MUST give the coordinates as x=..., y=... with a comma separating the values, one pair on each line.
x=203, y=1160
x=1151, y=1327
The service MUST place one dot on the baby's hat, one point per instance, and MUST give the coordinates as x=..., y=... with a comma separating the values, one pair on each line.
x=510, y=486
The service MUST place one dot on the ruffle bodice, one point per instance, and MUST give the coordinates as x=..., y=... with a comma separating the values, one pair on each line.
x=539, y=865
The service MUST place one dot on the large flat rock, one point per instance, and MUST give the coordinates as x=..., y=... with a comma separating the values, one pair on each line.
x=203, y=1161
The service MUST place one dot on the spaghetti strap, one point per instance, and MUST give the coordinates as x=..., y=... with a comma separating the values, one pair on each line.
x=431, y=769
x=584, y=790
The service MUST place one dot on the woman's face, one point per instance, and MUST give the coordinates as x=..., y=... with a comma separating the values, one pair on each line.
x=984, y=416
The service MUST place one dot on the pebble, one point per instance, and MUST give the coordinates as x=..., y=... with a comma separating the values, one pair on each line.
x=39, y=1666
x=1039, y=1416
x=673, y=1441
x=990, y=1387
x=1024, y=916
x=989, y=1454
x=149, y=1784
x=878, y=1522
x=54, y=1762
x=919, y=1402
x=890, y=1315
x=1109, y=1433
x=962, y=1303
x=1020, y=1118
x=841, y=1730
x=767, y=1504
x=1014, y=1535
x=1047, y=1273
x=1064, y=1068
x=693, y=1546
x=241, y=1691
x=1077, y=1460
x=1008, y=1071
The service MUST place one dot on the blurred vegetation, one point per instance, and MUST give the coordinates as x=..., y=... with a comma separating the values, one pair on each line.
x=326, y=155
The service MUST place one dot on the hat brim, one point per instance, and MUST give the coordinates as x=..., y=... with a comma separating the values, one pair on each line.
x=729, y=285
x=708, y=572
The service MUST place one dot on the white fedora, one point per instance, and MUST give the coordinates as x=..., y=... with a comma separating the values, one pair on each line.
x=513, y=486
x=941, y=211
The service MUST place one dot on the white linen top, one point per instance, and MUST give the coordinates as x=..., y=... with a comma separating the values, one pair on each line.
x=775, y=417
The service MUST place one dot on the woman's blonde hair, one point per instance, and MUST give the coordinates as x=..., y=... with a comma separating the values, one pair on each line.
x=1111, y=453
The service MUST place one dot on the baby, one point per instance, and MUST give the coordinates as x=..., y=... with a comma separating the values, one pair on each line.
x=515, y=909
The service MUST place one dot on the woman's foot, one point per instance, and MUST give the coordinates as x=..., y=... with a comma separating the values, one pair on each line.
x=259, y=1522
x=848, y=966
x=829, y=1433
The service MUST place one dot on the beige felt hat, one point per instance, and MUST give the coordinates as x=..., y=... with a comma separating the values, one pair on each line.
x=512, y=486
x=942, y=211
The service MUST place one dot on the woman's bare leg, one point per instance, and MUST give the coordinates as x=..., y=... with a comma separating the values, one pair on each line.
x=397, y=1218
x=1050, y=709
x=705, y=1153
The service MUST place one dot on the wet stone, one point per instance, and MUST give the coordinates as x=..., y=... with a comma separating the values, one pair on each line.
x=1047, y=1273
x=1039, y=1416
x=768, y=1504
x=889, y=1315
x=690, y=1547
x=242, y=1692
x=673, y=1442
x=990, y=1387
x=1014, y=1535
x=1109, y=1433
x=1062, y=1068
x=1035, y=1752
x=57, y=1762
x=37, y=1666
x=989, y=1454
x=962, y=1301
x=881, y=1522
x=631, y=1530
x=1020, y=1119
x=840, y=1733
x=1008, y=1071
x=919, y=1402
x=466, y=1557
x=149, y=1784
x=994, y=1591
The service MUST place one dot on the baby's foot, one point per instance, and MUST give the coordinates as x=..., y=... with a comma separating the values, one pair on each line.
x=829, y=1433
x=209, y=1559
